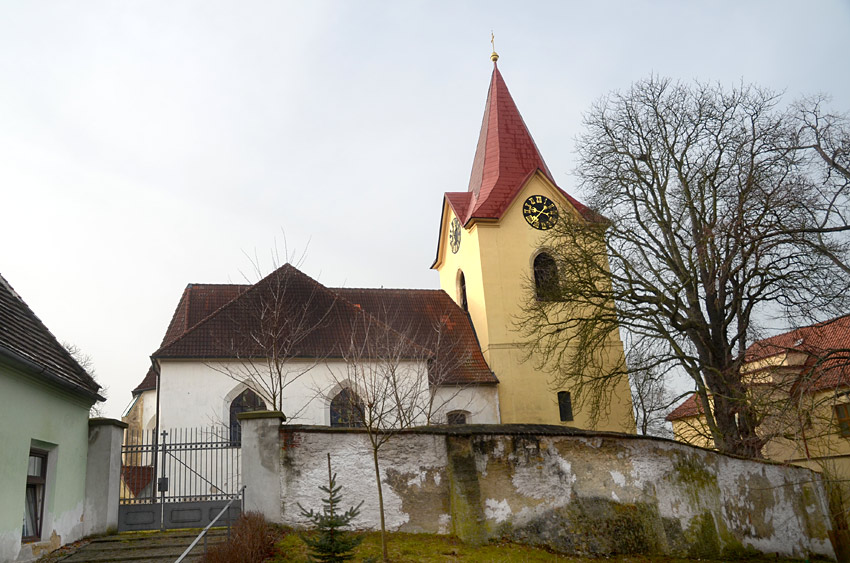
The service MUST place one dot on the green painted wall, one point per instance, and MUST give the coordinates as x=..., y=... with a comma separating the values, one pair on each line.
x=33, y=410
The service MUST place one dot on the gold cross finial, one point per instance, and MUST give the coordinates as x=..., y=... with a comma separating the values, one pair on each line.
x=493, y=56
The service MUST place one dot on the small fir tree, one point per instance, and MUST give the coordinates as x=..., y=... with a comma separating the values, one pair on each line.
x=332, y=544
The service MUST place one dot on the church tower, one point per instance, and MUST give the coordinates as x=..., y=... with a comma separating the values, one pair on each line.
x=490, y=248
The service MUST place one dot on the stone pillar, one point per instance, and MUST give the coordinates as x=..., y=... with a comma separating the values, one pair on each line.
x=103, y=475
x=261, y=465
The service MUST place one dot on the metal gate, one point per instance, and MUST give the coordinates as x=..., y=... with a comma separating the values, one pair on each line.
x=179, y=478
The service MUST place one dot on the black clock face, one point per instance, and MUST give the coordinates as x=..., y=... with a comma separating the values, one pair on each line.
x=454, y=235
x=540, y=212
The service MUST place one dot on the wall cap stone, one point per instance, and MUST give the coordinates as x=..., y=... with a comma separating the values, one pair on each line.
x=261, y=414
x=101, y=421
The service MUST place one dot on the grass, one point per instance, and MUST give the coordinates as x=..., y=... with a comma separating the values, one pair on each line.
x=427, y=548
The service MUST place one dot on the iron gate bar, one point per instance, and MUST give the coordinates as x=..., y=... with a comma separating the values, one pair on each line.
x=200, y=464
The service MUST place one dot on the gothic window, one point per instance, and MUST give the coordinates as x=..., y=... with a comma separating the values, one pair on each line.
x=461, y=290
x=347, y=409
x=545, y=277
x=456, y=417
x=247, y=401
x=34, y=500
x=565, y=406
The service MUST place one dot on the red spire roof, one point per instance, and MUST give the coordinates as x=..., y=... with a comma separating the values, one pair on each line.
x=505, y=155
x=505, y=158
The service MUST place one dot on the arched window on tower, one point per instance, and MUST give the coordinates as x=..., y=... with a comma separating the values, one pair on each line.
x=347, y=409
x=546, y=285
x=246, y=401
x=461, y=291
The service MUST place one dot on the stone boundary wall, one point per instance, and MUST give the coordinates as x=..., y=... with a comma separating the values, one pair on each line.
x=574, y=491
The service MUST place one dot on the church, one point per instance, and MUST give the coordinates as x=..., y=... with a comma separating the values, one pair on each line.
x=289, y=343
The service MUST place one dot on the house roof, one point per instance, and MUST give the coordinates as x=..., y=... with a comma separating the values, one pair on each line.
x=826, y=347
x=287, y=309
x=505, y=158
x=198, y=301
x=25, y=341
x=690, y=407
x=434, y=321
x=210, y=317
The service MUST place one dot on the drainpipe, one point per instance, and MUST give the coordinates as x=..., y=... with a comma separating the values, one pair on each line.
x=156, y=370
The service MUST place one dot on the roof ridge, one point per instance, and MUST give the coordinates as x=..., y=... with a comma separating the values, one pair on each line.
x=191, y=329
x=290, y=269
x=820, y=324
x=383, y=289
x=193, y=284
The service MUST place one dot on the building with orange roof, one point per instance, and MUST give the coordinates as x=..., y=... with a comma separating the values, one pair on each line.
x=490, y=245
x=800, y=383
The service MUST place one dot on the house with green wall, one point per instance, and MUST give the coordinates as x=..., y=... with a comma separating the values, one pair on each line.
x=45, y=399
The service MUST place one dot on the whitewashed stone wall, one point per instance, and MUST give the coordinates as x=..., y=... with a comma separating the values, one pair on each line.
x=574, y=491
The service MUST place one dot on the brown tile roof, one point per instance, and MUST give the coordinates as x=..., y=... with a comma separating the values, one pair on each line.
x=827, y=366
x=429, y=318
x=147, y=384
x=286, y=308
x=432, y=320
x=690, y=407
x=826, y=345
x=26, y=342
x=198, y=301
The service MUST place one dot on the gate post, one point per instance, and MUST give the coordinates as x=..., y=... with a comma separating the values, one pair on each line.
x=103, y=475
x=261, y=462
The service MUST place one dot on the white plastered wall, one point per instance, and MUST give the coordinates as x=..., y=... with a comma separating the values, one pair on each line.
x=196, y=394
x=481, y=402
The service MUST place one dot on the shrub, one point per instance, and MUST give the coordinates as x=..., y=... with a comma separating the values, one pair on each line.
x=251, y=541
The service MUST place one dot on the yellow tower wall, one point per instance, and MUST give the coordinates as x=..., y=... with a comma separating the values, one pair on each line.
x=497, y=259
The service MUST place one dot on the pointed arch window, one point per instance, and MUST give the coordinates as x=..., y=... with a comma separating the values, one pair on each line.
x=546, y=284
x=347, y=409
x=246, y=401
x=461, y=291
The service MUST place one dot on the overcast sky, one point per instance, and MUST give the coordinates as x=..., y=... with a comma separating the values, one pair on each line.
x=148, y=145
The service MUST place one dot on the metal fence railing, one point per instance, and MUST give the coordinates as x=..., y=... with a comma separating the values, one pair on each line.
x=179, y=465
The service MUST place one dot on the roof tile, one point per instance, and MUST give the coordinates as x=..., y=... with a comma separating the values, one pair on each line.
x=22, y=334
x=429, y=319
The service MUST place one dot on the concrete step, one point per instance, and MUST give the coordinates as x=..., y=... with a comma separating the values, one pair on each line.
x=143, y=547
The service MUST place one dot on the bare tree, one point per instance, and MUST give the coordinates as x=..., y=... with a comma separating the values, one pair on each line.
x=824, y=139
x=389, y=382
x=713, y=221
x=651, y=398
x=87, y=363
x=272, y=333
x=386, y=390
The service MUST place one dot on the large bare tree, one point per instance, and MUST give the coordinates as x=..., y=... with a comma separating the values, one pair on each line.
x=716, y=218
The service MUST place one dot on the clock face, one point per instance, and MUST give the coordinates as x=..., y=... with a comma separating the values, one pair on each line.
x=540, y=212
x=454, y=235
